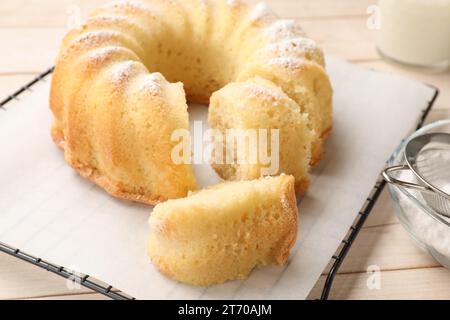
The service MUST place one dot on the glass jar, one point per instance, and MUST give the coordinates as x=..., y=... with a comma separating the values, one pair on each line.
x=415, y=32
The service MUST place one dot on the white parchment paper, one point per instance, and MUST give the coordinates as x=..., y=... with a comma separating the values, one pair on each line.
x=48, y=211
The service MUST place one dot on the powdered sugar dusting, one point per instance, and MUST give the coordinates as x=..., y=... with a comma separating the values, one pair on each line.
x=261, y=10
x=204, y=4
x=101, y=54
x=113, y=18
x=285, y=203
x=285, y=29
x=150, y=83
x=139, y=5
x=261, y=92
x=298, y=45
x=232, y=3
x=96, y=37
x=156, y=77
x=123, y=71
x=287, y=62
x=429, y=230
x=151, y=87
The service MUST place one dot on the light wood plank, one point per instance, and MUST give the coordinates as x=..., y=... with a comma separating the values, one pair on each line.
x=346, y=38
x=429, y=283
x=388, y=247
x=20, y=279
x=34, y=49
x=339, y=26
x=337, y=36
x=54, y=13
x=318, y=9
x=88, y=296
x=29, y=50
x=438, y=114
x=440, y=80
x=43, y=13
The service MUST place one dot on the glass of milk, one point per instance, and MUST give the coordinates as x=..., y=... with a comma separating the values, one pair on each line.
x=415, y=32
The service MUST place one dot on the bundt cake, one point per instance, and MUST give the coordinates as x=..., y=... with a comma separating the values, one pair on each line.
x=224, y=232
x=260, y=104
x=114, y=111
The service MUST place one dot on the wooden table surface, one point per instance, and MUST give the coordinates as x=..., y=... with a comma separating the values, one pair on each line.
x=30, y=33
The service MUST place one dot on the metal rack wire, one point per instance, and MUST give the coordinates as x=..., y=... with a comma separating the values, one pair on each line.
x=346, y=244
x=107, y=290
x=84, y=280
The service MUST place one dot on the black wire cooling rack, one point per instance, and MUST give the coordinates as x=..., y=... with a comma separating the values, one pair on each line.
x=96, y=285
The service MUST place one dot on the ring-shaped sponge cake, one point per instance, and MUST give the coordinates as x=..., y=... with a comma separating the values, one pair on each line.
x=123, y=78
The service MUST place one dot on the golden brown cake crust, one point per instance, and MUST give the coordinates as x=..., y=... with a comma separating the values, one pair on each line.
x=289, y=201
x=318, y=148
x=94, y=176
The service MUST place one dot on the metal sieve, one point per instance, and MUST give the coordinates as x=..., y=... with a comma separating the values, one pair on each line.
x=428, y=158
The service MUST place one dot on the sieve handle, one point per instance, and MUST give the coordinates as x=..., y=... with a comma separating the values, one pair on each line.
x=400, y=183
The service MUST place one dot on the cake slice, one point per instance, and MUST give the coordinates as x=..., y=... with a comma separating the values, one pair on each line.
x=258, y=106
x=223, y=232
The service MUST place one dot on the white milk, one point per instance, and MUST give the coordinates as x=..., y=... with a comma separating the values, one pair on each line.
x=415, y=32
